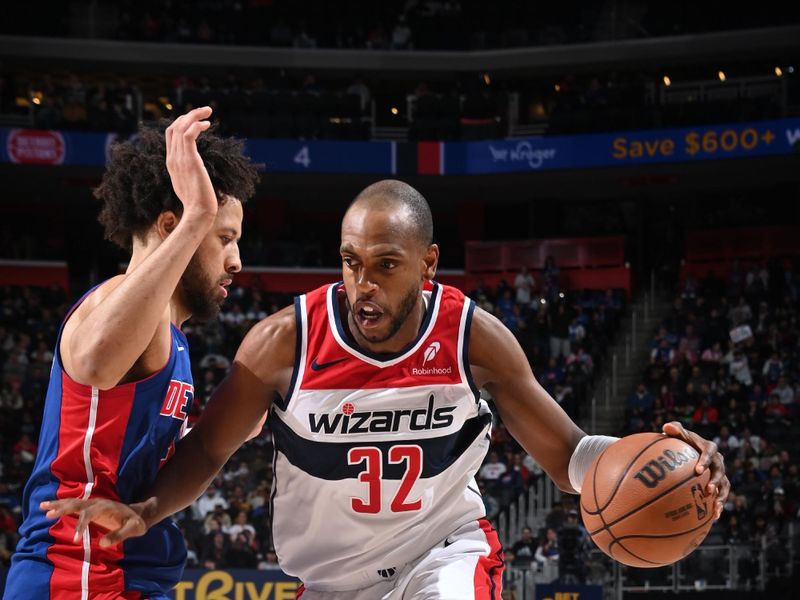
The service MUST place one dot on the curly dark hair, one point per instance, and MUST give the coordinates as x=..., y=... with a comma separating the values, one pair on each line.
x=136, y=187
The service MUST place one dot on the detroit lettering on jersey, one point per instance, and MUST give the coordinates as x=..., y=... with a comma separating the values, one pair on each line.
x=350, y=421
x=177, y=400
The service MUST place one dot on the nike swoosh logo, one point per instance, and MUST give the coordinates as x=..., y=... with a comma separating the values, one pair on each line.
x=319, y=366
x=181, y=348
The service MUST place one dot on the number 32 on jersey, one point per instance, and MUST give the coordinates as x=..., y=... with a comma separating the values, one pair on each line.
x=372, y=458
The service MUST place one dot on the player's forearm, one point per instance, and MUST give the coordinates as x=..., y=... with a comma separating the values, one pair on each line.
x=181, y=481
x=115, y=334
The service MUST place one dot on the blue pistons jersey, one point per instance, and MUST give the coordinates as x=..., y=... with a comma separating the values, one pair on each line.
x=103, y=444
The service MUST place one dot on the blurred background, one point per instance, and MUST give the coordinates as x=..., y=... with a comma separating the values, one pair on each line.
x=616, y=180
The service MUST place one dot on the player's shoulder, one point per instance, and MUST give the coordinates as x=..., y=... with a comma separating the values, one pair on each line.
x=92, y=298
x=97, y=294
x=486, y=325
x=273, y=333
x=492, y=345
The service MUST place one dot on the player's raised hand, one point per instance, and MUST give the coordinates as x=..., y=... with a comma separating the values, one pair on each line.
x=121, y=520
x=710, y=458
x=189, y=177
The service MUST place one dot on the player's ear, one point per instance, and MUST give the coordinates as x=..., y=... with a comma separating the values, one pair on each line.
x=167, y=221
x=431, y=261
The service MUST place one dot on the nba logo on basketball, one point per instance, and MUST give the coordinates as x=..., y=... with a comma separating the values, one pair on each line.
x=699, y=501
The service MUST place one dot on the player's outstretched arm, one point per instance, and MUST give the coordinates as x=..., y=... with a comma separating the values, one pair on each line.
x=531, y=415
x=102, y=344
x=542, y=427
x=262, y=367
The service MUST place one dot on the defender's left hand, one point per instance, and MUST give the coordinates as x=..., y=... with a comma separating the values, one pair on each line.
x=710, y=458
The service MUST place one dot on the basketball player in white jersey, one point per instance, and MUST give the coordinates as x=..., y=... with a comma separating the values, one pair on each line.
x=379, y=429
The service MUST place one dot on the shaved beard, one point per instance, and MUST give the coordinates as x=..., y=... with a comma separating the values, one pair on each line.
x=396, y=320
x=199, y=292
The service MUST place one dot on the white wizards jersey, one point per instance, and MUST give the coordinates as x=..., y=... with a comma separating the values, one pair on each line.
x=375, y=454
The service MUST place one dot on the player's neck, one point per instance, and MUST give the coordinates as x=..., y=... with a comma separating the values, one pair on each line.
x=407, y=333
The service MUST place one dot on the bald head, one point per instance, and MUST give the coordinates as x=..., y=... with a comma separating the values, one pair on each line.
x=399, y=197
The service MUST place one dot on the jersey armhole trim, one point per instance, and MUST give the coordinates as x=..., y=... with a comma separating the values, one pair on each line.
x=463, y=347
x=300, y=350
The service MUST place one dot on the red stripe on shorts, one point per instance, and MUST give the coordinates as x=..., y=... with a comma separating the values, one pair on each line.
x=489, y=570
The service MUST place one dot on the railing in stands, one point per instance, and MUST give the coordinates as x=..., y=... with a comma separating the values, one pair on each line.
x=567, y=253
x=717, y=251
x=749, y=243
x=584, y=263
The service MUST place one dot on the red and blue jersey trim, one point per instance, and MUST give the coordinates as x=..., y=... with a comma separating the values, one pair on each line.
x=102, y=444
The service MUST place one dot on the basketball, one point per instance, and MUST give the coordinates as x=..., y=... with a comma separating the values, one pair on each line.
x=643, y=503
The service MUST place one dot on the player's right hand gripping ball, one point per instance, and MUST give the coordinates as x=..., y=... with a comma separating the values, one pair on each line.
x=642, y=502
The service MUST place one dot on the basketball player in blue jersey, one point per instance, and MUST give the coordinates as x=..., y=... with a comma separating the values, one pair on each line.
x=379, y=429
x=121, y=381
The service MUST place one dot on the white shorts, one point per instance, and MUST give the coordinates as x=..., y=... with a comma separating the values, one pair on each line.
x=468, y=565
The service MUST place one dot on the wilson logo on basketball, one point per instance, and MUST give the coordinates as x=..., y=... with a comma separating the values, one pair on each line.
x=654, y=471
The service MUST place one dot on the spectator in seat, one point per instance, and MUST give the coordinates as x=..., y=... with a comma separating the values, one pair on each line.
x=209, y=501
x=556, y=517
x=773, y=369
x=663, y=355
x=705, y=414
x=514, y=481
x=551, y=279
x=217, y=555
x=270, y=562
x=641, y=400
x=738, y=367
x=689, y=346
x=547, y=552
x=492, y=471
x=241, y=524
x=576, y=331
x=559, y=332
x=24, y=449
x=712, y=355
x=785, y=392
x=524, y=549
x=741, y=313
x=776, y=412
x=727, y=443
x=524, y=284
x=240, y=553
x=581, y=360
x=552, y=375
